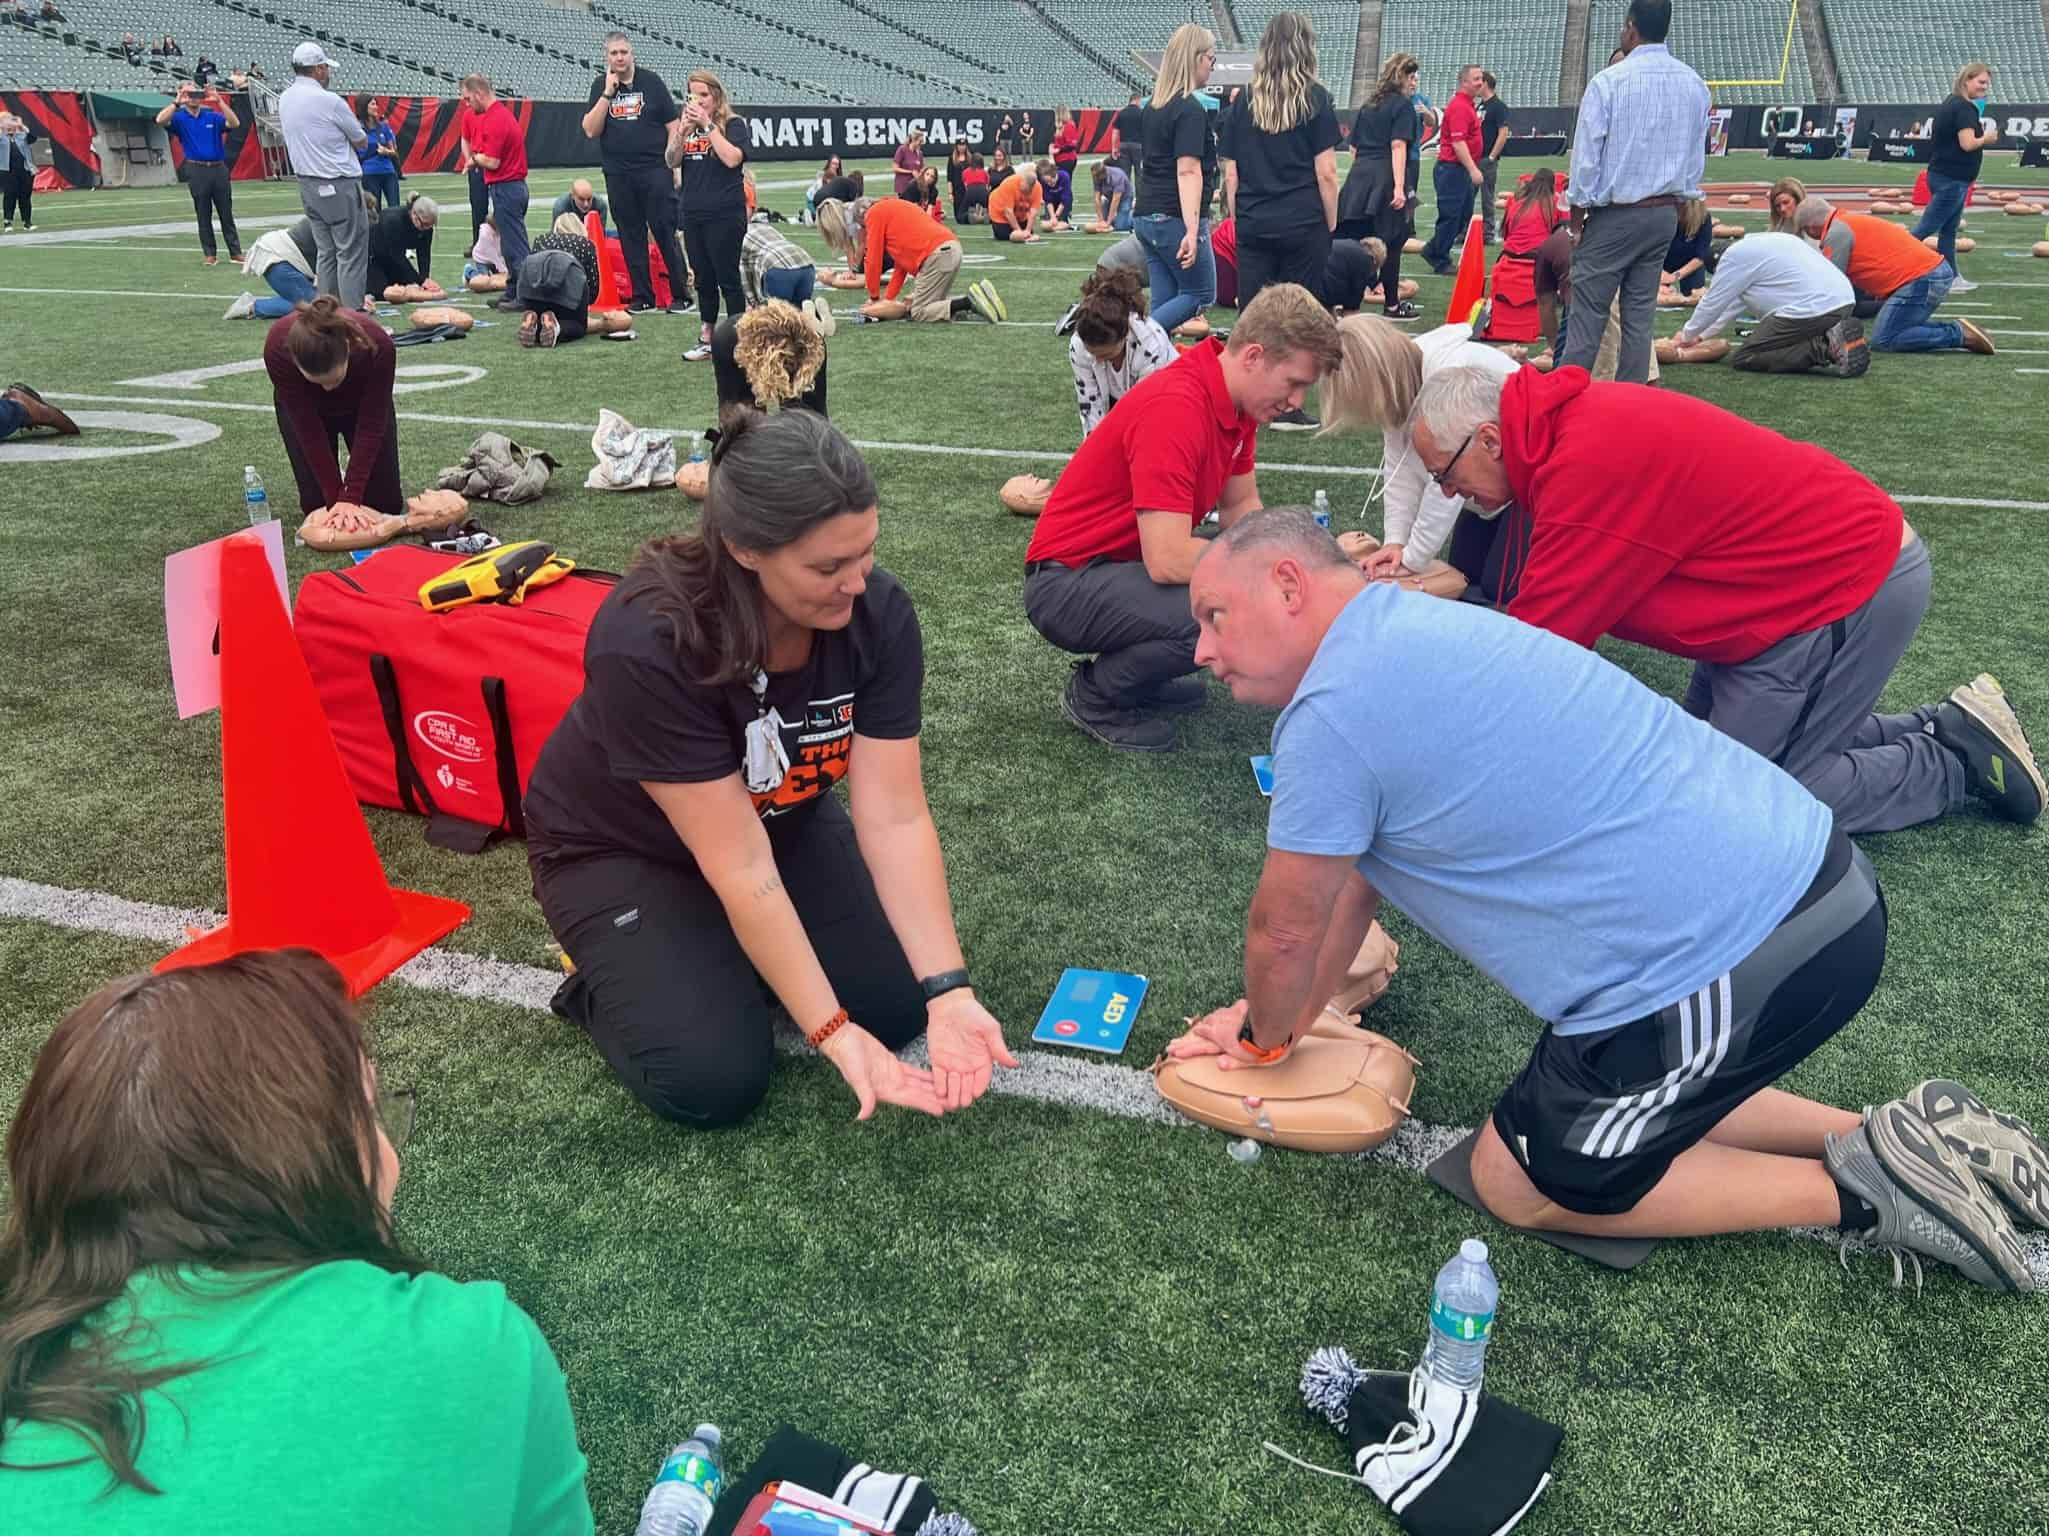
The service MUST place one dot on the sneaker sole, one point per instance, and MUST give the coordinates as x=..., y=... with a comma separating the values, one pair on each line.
x=979, y=303
x=828, y=322
x=1938, y=1181
x=1976, y=339
x=997, y=310
x=2001, y=1149
x=1985, y=702
x=1074, y=718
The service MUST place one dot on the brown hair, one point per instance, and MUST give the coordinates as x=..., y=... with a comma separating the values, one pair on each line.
x=1967, y=74
x=323, y=337
x=1397, y=68
x=1286, y=318
x=1540, y=191
x=773, y=480
x=1109, y=298
x=721, y=104
x=212, y=1117
x=1794, y=187
x=779, y=351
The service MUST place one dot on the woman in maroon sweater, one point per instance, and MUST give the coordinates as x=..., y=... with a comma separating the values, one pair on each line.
x=331, y=374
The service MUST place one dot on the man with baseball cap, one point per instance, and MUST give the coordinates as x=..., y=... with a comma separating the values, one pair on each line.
x=321, y=137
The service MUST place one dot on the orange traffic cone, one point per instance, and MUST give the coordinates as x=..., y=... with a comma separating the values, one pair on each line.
x=1471, y=288
x=608, y=286
x=301, y=867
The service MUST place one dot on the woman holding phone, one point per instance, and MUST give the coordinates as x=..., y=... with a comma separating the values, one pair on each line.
x=709, y=144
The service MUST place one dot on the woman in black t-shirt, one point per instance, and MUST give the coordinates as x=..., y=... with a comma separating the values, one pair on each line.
x=685, y=843
x=709, y=143
x=1279, y=149
x=1957, y=153
x=1179, y=176
x=1376, y=195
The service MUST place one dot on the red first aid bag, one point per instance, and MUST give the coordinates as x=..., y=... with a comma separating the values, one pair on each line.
x=443, y=714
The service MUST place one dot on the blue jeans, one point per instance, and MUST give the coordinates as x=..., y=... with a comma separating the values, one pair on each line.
x=1944, y=212
x=1179, y=293
x=508, y=207
x=12, y=418
x=1454, y=189
x=1903, y=324
x=383, y=185
x=793, y=285
x=1122, y=223
x=291, y=286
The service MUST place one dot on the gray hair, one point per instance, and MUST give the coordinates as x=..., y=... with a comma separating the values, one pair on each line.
x=1281, y=531
x=1812, y=214
x=617, y=37
x=425, y=210
x=1455, y=401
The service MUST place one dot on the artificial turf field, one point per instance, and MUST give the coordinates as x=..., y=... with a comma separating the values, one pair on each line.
x=1070, y=1320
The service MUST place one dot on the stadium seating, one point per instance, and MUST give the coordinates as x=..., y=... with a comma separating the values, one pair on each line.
x=1000, y=53
x=1889, y=50
x=1723, y=40
x=1519, y=40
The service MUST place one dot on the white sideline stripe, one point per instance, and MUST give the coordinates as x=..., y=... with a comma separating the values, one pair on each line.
x=1041, y=1076
x=104, y=233
x=944, y=450
x=2031, y=370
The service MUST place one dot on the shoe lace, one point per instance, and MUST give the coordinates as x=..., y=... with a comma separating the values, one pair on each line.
x=1857, y=1242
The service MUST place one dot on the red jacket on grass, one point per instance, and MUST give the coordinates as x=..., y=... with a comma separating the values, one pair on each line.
x=1662, y=519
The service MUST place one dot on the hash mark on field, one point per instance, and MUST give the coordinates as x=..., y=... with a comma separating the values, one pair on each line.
x=1041, y=1076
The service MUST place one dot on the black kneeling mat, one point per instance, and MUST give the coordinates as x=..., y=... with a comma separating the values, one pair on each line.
x=1453, y=1173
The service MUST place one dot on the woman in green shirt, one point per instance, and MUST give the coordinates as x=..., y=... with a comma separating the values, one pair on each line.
x=206, y=1324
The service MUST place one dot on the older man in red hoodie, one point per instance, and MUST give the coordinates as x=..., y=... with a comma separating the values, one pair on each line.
x=1794, y=584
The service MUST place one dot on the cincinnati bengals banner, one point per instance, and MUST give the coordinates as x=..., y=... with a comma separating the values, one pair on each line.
x=61, y=118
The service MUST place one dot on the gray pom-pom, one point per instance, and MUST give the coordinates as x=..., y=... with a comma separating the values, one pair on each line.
x=946, y=1525
x=1327, y=1382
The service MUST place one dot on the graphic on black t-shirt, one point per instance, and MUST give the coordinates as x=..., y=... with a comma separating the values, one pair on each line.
x=823, y=738
x=626, y=107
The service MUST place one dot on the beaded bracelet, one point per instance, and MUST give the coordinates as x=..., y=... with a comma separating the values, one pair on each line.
x=827, y=1030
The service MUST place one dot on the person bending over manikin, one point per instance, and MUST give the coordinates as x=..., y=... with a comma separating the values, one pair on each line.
x=768, y=358
x=1807, y=306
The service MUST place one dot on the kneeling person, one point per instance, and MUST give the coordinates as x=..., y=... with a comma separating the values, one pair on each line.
x=686, y=846
x=1805, y=302
x=1107, y=570
x=1670, y=1006
x=1906, y=277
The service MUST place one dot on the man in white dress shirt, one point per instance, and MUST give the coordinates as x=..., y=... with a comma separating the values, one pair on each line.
x=322, y=136
x=1637, y=154
x=1805, y=303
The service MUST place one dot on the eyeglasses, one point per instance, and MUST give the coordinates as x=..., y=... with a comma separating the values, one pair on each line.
x=397, y=1108
x=1437, y=475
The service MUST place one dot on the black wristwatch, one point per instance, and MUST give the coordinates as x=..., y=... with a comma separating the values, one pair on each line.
x=943, y=982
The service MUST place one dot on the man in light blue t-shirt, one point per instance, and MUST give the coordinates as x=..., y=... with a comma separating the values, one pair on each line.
x=1680, y=912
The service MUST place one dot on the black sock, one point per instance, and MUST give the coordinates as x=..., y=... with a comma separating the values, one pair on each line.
x=958, y=305
x=1858, y=1214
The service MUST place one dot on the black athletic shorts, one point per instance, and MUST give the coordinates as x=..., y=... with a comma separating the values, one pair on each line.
x=1595, y=1120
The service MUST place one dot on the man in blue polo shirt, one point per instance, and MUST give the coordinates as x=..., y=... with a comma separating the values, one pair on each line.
x=1683, y=916
x=200, y=120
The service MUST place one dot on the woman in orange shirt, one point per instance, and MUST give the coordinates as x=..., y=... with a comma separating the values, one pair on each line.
x=870, y=230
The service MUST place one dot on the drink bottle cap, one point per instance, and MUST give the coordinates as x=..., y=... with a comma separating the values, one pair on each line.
x=1473, y=1250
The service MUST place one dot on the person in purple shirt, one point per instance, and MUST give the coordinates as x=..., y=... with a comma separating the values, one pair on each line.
x=201, y=120
x=909, y=160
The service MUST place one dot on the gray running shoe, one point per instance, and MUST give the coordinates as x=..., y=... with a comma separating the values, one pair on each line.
x=1848, y=354
x=1979, y=725
x=1927, y=1200
x=2001, y=1149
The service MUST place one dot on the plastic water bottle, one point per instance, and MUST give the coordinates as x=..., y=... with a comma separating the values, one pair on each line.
x=680, y=1503
x=1320, y=509
x=254, y=496
x=1462, y=1318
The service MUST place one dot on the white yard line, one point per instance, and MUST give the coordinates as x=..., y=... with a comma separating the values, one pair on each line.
x=942, y=450
x=1041, y=1076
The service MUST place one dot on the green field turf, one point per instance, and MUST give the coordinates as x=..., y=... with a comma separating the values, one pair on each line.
x=1070, y=1321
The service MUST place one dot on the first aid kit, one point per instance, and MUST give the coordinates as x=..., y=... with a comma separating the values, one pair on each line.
x=443, y=712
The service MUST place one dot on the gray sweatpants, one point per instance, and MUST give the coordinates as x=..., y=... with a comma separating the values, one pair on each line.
x=1783, y=345
x=1140, y=632
x=1620, y=251
x=1806, y=703
x=341, y=235
x=1490, y=168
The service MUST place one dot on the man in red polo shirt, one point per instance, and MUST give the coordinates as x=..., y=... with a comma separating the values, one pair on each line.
x=1107, y=571
x=1884, y=262
x=1458, y=175
x=1794, y=584
x=498, y=144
